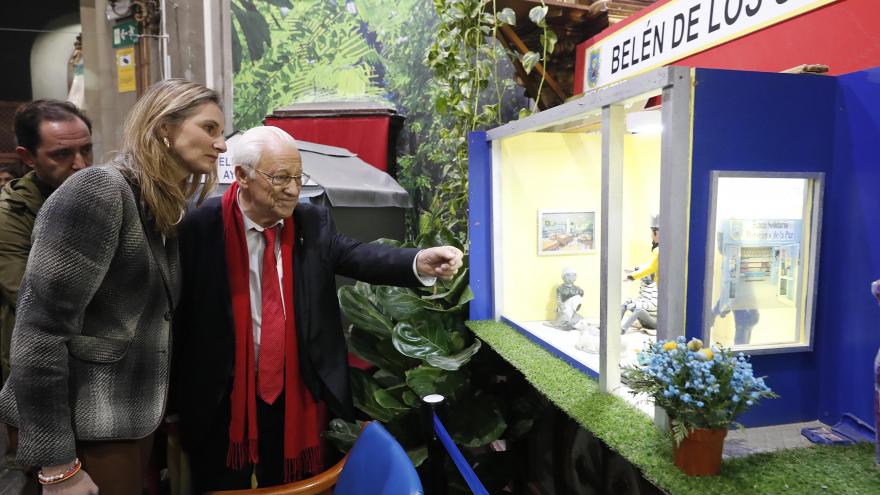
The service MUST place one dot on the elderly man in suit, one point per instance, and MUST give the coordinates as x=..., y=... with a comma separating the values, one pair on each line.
x=259, y=343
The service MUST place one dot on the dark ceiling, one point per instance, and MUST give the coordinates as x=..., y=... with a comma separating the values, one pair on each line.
x=15, y=47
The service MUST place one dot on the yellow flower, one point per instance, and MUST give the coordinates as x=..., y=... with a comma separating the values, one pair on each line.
x=669, y=346
x=706, y=352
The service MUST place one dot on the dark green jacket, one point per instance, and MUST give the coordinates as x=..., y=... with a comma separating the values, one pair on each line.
x=20, y=200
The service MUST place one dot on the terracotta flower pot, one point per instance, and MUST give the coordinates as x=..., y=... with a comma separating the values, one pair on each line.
x=700, y=453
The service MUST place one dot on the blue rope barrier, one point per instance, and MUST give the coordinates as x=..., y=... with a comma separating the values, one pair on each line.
x=461, y=463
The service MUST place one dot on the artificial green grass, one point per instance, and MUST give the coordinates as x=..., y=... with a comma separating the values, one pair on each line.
x=812, y=470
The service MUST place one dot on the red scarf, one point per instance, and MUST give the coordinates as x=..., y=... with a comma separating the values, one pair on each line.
x=302, y=453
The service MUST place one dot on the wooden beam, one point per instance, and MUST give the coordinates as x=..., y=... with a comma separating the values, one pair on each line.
x=517, y=66
x=511, y=36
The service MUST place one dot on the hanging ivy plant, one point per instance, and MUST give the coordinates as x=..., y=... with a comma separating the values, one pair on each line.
x=465, y=60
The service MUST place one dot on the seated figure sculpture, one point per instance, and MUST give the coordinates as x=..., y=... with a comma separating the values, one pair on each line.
x=644, y=307
x=568, y=301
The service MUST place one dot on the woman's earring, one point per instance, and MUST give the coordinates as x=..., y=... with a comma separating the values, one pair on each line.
x=166, y=141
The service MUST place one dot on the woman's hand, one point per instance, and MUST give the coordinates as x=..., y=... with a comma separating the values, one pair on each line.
x=79, y=484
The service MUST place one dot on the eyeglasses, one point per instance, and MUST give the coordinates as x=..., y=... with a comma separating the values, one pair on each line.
x=284, y=180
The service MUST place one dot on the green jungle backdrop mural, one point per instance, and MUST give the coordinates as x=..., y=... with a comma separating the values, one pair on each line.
x=292, y=51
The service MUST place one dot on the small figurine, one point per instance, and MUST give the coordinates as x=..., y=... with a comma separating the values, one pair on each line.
x=875, y=290
x=568, y=301
x=644, y=307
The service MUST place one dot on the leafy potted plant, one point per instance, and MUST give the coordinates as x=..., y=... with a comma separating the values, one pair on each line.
x=703, y=390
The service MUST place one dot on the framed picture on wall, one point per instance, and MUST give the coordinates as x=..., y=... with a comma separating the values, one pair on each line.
x=566, y=232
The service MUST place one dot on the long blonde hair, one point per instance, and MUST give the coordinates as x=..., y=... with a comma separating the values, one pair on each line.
x=163, y=183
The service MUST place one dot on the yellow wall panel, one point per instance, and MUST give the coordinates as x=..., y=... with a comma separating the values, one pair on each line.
x=562, y=171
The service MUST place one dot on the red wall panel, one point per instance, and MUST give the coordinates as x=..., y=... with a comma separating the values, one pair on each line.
x=365, y=136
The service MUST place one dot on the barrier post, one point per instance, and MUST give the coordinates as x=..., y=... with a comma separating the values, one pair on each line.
x=436, y=482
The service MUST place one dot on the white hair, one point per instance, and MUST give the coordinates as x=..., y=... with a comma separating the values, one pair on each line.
x=248, y=149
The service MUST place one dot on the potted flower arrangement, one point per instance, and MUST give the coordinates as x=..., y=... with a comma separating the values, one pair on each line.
x=703, y=390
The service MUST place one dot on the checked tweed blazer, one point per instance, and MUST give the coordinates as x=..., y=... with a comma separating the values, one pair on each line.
x=90, y=349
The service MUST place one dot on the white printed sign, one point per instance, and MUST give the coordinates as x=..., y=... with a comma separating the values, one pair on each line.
x=679, y=29
x=774, y=231
x=225, y=170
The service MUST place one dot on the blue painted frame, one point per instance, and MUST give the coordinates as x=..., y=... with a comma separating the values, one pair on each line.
x=482, y=307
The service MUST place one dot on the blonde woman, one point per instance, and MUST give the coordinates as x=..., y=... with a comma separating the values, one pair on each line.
x=90, y=350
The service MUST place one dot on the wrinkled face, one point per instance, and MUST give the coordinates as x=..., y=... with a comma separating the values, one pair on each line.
x=198, y=140
x=64, y=148
x=264, y=202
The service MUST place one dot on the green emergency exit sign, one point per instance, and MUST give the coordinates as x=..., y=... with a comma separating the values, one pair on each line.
x=125, y=34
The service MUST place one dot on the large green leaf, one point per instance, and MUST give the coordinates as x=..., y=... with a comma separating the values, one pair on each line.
x=422, y=340
x=389, y=401
x=254, y=27
x=466, y=296
x=418, y=455
x=455, y=361
x=441, y=236
x=400, y=303
x=372, y=399
x=378, y=351
x=364, y=346
x=357, y=306
x=387, y=379
x=342, y=434
x=400, y=362
x=457, y=286
x=457, y=341
x=426, y=380
x=475, y=422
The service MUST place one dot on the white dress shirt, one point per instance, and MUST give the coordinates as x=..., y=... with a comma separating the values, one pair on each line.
x=256, y=244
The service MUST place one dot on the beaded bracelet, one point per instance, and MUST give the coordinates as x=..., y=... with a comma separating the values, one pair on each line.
x=58, y=478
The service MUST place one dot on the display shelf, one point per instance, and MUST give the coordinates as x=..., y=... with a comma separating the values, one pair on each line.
x=816, y=469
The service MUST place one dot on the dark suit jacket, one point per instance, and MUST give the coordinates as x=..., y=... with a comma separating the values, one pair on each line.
x=203, y=332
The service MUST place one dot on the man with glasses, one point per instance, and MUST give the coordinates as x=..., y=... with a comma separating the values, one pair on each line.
x=259, y=346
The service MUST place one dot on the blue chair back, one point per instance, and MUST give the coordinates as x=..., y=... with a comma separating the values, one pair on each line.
x=378, y=465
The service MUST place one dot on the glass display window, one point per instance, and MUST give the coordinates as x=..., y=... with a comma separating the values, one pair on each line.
x=761, y=268
x=550, y=202
x=550, y=187
x=565, y=204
